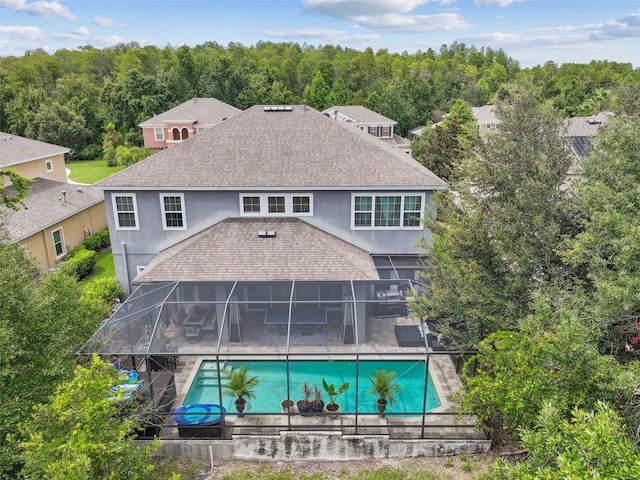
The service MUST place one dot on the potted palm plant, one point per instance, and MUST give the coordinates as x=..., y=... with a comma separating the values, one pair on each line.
x=384, y=387
x=304, y=405
x=332, y=408
x=240, y=385
x=317, y=404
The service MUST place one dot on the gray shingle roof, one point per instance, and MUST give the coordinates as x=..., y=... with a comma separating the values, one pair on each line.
x=43, y=207
x=359, y=114
x=588, y=126
x=15, y=149
x=203, y=111
x=297, y=149
x=232, y=250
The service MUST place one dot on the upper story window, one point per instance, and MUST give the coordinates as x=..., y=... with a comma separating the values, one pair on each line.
x=125, y=211
x=58, y=242
x=172, y=206
x=373, y=130
x=385, y=131
x=159, y=132
x=387, y=211
x=48, y=166
x=280, y=205
x=200, y=130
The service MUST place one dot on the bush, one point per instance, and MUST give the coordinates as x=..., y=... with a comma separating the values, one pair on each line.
x=98, y=241
x=101, y=295
x=81, y=263
x=74, y=251
x=91, y=152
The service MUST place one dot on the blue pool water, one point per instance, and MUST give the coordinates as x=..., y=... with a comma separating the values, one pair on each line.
x=272, y=387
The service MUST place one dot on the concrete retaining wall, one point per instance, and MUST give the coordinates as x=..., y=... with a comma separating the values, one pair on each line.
x=316, y=446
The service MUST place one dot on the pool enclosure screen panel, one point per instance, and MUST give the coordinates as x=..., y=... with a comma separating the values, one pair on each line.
x=282, y=316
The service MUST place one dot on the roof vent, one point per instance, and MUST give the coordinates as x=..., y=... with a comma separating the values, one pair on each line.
x=267, y=234
x=278, y=108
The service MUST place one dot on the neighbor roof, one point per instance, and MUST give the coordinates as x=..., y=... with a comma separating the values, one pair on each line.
x=588, y=126
x=233, y=250
x=358, y=114
x=264, y=148
x=46, y=205
x=15, y=149
x=203, y=111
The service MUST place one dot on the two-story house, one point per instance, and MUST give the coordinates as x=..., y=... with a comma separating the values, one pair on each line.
x=56, y=215
x=184, y=121
x=370, y=122
x=276, y=192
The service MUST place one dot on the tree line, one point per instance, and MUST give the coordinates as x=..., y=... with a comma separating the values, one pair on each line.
x=70, y=97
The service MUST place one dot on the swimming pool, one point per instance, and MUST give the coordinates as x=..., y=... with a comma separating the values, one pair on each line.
x=272, y=387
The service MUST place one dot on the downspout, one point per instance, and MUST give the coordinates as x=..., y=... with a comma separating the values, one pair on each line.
x=126, y=265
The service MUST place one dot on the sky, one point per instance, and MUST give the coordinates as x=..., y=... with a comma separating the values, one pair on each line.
x=530, y=31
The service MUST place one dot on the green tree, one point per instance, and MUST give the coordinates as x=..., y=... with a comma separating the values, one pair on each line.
x=60, y=125
x=497, y=244
x=20, y=185
x=80, y=433
x=607, y=251
x=317, y=94
x=110, y=143
x=43, y=321
x=592, y=444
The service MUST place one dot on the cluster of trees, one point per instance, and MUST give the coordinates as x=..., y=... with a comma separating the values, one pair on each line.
x=542, y=275
x=69, y=97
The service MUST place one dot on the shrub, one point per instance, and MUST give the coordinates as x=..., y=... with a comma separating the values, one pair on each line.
x=74, y=251
x=91, y=152
x=101, y=295
x=98, y=241
x=81, y=264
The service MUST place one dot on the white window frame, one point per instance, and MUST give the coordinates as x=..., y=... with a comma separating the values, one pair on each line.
x=385, y=131
x=139, y=269
x=63, y=249
x=114, y=196
x=373, y=196
x=48, y=165
x=156, y=131
x=200, y=130
x=164, y=212
x=264, y=205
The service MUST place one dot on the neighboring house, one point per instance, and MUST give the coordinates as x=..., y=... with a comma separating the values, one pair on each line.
x=184, y=121
x=32, y=158
x=276, y=192
x=371, y=122
x=485, y=117
x=581, y=132
x=56, y=217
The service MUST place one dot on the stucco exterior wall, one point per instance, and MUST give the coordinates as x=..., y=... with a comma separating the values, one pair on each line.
x=41, y=246
x=331, y=213
x=37, y=168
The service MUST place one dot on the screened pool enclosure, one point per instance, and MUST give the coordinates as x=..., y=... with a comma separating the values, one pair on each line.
x=184, y=339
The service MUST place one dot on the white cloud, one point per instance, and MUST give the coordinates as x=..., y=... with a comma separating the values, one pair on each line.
x=40, y=8
x=501, y=3
x=415, y=23
x=30, y=33
x=323, y=34
x=388, y=15
x=84, y=31
x=103, y=21
x=350, y=9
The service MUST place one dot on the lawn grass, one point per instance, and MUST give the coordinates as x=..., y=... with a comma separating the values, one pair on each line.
x=90, y=171
x=104, y=268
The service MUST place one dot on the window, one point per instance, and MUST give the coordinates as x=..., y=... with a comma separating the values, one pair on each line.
x=385, y=131
x=301, y=205
x=140, y=269
x=276, y=204
x=159, y=132
x=283, y=205
x=251, y=204
x=412, y=210
x=387, y=211
x=48, y=166
x=58, y=243
x=126, y=214
x=173, y=211
x=373, y=130
x=199, y=129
